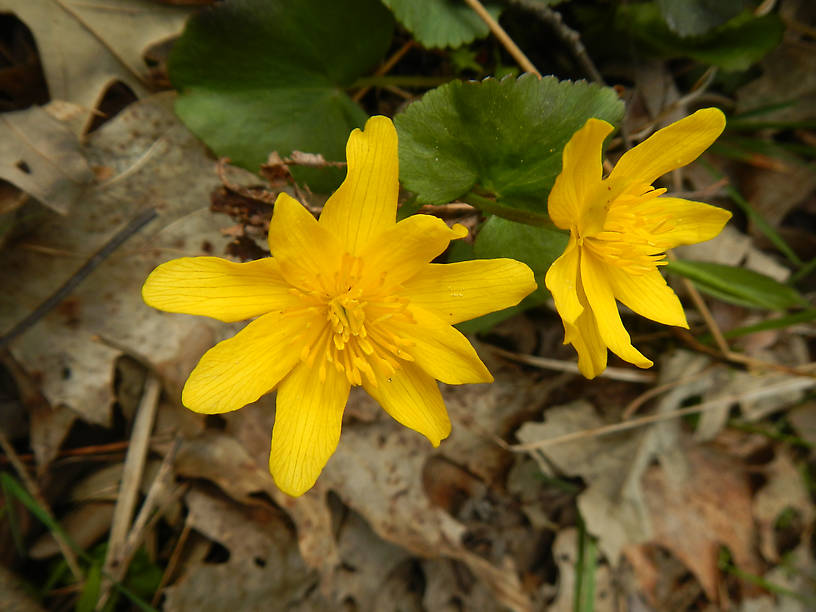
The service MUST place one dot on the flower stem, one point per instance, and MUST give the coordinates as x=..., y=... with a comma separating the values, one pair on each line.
x=504, y=38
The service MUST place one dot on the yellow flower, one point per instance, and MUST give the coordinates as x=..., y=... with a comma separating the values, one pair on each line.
x=620, y=228
x=351, y=299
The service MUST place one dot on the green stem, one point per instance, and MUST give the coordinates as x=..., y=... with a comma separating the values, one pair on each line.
x=518, y=215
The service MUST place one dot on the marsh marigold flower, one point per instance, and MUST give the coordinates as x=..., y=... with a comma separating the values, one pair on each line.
x=620, y=228
x=351, y=299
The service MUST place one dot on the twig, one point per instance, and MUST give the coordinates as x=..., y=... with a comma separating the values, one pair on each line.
x=34, y=491
x=454, y=209
x=131, y=477
x=172, y=562
x=567, y=34
x=386, y=67
x=664, y=416
x=504, y=38
x=625, y=374
x=641, y=399
x=136, y=224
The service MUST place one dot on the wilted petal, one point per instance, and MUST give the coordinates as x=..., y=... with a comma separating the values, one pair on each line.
x=308, y=416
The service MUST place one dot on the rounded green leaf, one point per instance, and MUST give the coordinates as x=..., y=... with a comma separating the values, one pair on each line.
x=695, y=17
x=735, y=45
x=501, y=139
x=440, y=23
x=257, y=76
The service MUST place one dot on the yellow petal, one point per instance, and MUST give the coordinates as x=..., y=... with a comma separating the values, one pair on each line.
x=308, y=416
x=460, y=291
x=587, y=341
x=305, y=250
x=404, y=249
x=562, y=281
x=442, y=351
x=594, y=278
x=576, y=188
x=217, y=288
x=238, y=371
x=672, y=147
x=412, y=397
x=689, y=222
x=648, y=295
x=366, y=202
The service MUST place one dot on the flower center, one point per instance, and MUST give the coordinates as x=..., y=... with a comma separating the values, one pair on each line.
x=353, y=325
x=636, y=231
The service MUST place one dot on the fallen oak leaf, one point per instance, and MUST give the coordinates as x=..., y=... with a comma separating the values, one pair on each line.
x=40, y=155
x=84, y=46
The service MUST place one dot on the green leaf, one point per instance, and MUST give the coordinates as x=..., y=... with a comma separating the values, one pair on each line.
x=538, y=247
x=90, y=590
x=501, y=139
x=738, y=285
x=695, y=17
x=258, y=76
x=735, y=45
x=441, y=23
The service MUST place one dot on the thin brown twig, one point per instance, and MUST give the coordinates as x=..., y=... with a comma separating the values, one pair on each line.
x=132, y=227
x=571, y=37
x=504, y=38
x=34, y=490
x=725, y=351
x=641, y=399
x=663, y=416
x=175, y=556
x=625, y=374
x=386, y=67
x=131, y=479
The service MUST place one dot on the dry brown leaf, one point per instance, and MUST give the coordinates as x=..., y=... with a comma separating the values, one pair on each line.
x=86, y=46
x=787, y=75
x=158, y=163
x=694, y=514
x=803, y=419
x=565, y=553
x=376, y=471
x=264, y=570
x=83, y=525
x=40, y=155
x=15, y=594
x=784, y=490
